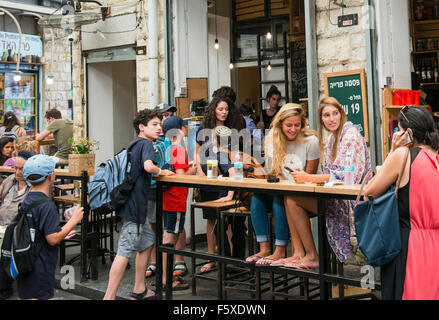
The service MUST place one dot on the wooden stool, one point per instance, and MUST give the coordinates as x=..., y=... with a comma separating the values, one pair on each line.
x=218, y=207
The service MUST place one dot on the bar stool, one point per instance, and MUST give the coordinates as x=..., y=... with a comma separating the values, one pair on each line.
x=247, y=278
x=218, y=207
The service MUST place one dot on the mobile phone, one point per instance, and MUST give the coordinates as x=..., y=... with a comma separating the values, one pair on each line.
x=289, y=169
x=409, y=137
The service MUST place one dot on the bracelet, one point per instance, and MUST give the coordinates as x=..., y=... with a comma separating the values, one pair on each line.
x=160, y=171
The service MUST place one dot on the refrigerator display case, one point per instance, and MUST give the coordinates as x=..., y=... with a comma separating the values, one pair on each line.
x=21, y=98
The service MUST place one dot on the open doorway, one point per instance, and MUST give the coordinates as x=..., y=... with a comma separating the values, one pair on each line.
x=111, y=90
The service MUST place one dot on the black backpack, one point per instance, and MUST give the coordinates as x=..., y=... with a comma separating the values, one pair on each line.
x=22, y=243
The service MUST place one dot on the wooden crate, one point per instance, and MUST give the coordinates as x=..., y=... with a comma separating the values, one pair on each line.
x=82, y=162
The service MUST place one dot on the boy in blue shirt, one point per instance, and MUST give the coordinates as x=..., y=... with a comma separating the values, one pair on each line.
x=136, y=236
x=40, y=282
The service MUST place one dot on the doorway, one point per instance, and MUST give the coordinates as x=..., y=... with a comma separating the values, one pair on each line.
x=112, y=105
x=248, y=87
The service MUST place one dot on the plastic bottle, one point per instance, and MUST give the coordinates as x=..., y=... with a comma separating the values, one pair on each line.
x=239, y=167
x=349, y=170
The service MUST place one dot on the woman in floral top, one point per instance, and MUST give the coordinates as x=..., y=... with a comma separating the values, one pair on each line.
x=343, y=137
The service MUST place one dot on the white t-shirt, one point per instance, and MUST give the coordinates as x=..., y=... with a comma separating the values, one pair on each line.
x=297, y=154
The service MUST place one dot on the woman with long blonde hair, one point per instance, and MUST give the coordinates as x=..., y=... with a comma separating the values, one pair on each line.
x=343, y=137
x=288, y=144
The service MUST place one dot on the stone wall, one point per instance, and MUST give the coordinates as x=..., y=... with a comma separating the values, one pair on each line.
x=57, y=94
x=339, y=49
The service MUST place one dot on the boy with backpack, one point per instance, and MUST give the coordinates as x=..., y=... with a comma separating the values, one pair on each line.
x=136, y=236
x=42, y=215
x=174, y=198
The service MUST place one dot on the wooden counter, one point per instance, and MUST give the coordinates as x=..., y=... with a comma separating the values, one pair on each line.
x=58, y=172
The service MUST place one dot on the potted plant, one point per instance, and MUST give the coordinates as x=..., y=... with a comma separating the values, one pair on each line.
x=82, y=157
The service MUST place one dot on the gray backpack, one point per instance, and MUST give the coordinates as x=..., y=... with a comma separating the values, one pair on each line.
x=10, y=134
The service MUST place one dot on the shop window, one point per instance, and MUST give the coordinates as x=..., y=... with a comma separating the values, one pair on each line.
x=19, y=97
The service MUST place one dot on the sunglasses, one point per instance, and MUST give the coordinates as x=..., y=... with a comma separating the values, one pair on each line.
x=403, y=111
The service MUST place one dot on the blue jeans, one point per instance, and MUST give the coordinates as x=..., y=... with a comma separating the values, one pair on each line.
x=260, y=206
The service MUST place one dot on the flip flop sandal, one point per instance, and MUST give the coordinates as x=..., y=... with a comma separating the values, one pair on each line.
x=264, y=262
x=142, y=296
x=302, y=266
x=208, y=267
x=180, y=268
x=181, y=285
x=150, y=271
x=284, y=261
x=253, y=261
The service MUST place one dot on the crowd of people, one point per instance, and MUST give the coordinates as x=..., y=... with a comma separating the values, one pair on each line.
x=292, y=151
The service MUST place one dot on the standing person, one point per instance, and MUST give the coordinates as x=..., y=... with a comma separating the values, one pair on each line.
x=412, y=275
x=11, y=126
x=255, y=132
x=288, y=144
x=136, y=236
x=160, y=146
x=12, y=192
x=175, y=198
x=273, y=98
x=219, y=112
x=344, y=137
x=40, y=282
x=7, y=148
x=62, y=131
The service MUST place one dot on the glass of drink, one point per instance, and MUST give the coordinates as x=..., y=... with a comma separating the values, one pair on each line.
x=212, y=169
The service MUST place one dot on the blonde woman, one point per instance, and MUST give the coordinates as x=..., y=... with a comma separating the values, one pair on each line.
x=343, y=137
x=289, y=144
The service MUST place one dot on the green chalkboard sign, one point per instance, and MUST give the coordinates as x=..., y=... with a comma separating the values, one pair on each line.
x=349, y=88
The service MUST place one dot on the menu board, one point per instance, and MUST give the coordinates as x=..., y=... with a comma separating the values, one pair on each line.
x=349, y=88
x=299, y=83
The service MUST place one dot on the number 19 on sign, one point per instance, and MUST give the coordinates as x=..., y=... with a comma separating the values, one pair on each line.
x=354, y=108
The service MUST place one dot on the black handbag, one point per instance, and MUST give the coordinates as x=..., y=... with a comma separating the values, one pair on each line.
x=377, y=224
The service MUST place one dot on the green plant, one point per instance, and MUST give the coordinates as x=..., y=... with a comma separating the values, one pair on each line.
x=83, y=146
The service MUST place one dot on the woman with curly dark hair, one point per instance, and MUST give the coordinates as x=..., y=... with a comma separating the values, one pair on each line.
x=221, y=111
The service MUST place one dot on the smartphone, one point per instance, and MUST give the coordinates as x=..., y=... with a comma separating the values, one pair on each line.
x=409, y=137
x=289, y=169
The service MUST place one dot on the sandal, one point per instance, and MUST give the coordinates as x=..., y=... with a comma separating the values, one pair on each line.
x=180, y=268
x=142, y=296
x=181, y=284
x=264, y=262
x=150, y=271
x=253, y=259
x=210, y=266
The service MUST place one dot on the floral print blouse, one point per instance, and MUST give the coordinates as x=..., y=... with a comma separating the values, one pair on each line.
x=340, y=213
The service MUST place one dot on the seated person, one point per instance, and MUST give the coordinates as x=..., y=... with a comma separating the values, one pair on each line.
x=12, y=192
x=62, y=131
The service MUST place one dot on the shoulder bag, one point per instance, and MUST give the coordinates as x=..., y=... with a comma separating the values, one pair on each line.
x=377, y=224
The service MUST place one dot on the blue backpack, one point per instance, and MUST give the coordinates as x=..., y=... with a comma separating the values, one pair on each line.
x=111, y=185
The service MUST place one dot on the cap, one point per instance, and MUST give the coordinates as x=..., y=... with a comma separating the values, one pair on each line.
x=41, y=165
x=173, y=122
x=164, y=107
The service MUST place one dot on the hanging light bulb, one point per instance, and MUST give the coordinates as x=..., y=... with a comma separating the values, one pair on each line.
x=216, y=44
x=17, y=75
x=269, y=66
x=268, y=36
x=50, y=79
x=231, y=66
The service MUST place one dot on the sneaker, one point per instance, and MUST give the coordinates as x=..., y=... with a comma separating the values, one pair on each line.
x=150, y=271
x=180, y=269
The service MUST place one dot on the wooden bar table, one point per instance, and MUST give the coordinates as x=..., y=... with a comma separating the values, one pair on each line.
x=321, y=193
x=86, y=235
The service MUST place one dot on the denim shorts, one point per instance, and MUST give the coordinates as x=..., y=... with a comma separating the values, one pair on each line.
x=173, y=222
x=133, y=240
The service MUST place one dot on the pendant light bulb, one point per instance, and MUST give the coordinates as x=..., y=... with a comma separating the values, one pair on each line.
x=216, y=44
x=269, y=66
x=268, y=36
x=231, y=66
